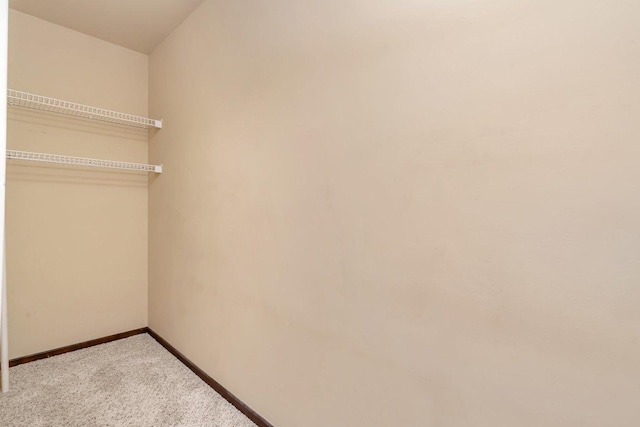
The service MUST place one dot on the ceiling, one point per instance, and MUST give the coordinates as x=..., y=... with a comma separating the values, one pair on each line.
x=136, y=24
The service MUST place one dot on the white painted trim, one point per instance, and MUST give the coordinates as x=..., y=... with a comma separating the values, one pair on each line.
x=4, y=38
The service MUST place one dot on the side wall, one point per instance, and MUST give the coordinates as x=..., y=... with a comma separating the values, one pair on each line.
x=76, y=240
x=407, y=213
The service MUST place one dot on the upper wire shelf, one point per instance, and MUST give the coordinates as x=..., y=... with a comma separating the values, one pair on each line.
x=45, y=103
x=81, y=161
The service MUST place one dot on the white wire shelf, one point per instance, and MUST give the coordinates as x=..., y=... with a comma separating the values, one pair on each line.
x=45, y=103
x=81, y=161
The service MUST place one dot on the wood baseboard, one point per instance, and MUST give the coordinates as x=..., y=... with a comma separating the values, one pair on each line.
x=74, y=347
x=226, y=394
x=230, y=397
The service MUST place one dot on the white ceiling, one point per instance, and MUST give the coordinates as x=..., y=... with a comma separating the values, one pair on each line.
x=136, y=24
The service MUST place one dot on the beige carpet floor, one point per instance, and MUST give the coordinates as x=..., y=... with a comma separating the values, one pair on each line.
x=130, y=382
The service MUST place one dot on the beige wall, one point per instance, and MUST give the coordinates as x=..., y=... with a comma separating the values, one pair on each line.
x=76, y=240
x=402, y=212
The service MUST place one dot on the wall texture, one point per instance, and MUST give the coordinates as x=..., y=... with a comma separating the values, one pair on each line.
x=76, y=240
x=403, y=212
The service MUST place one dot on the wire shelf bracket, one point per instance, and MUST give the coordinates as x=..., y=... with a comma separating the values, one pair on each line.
x=81, y=161
x=45, y=103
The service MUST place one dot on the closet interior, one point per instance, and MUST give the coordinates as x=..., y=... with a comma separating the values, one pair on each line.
x=77, y=181
x=362, y=213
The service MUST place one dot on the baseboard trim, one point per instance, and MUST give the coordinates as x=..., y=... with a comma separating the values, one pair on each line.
x=230, y=397
x=226, y=394
x=74, y=347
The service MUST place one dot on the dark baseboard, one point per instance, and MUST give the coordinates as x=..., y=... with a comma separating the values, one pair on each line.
x=226, y=394
x=74, y=347
x=241, y=406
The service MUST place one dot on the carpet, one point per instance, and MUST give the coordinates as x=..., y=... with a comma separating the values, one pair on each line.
x=130, y=382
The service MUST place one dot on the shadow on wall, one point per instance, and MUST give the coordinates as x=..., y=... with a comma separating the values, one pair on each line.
x=67, y=174
x=33, y=130
x=79, y=124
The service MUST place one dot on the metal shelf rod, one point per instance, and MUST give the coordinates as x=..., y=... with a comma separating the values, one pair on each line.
x=81, y=161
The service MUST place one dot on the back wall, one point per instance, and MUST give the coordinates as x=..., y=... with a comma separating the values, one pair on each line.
x=76, y=239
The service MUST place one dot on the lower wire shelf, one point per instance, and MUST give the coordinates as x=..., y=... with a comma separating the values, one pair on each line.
x=81, y=161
